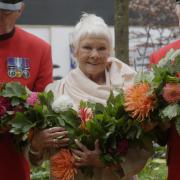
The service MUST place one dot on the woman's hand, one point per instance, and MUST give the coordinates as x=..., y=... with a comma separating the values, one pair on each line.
x=86, y=157
x=53, y=137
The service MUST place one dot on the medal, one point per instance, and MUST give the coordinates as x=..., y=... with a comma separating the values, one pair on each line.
x=18, y=67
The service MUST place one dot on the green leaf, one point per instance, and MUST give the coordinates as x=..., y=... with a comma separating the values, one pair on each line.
x=139, y=77
x=46, y=98
x=61, y=122
x=99, y=108
x=14, y=89
x=107, y=159
x=21, y=125
x=15, y=101
x=171, y=111
x=110, y=99
x=177, y=64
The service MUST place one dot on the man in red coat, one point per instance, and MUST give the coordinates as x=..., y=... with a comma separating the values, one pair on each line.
x=27, y=59
x=174, y=138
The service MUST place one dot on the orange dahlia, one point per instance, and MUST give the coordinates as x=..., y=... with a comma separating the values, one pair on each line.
x=62, y=165
x=138, y=102
x=171, y=92
x=30, y=134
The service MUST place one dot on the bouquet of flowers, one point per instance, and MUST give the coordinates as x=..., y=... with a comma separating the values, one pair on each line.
x=114, y=128
x=21, y=111
x=125, y=120
x=155, y=98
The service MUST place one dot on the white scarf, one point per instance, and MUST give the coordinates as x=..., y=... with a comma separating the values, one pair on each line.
x=79, y=87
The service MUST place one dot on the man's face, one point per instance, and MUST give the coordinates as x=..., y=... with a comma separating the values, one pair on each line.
x=178, y=12
x=8, y=19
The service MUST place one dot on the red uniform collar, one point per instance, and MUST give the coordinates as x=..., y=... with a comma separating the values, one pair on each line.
x=7, y=36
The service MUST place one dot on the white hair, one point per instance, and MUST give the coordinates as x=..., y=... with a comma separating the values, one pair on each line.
x=90, y=24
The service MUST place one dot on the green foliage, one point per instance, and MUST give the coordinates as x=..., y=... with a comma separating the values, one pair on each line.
x=14, y=89
x=41, y=172
x=170, y=111
x=155, y=169
x=112, y=125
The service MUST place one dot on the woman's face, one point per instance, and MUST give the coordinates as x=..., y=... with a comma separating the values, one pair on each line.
x=92, y=55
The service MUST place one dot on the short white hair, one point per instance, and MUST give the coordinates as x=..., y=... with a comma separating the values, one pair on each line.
x=92, y=25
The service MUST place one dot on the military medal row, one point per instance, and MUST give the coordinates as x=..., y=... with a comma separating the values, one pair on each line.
x=18, y=67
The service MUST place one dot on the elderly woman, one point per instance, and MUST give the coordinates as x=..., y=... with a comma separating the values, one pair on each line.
x=95, y=76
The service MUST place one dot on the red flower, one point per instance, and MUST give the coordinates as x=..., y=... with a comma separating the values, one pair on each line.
x=18, y=108
x=5, y=105
x=4, y=101
x=2, y=111
x=122, y=147
x=178, y=74
x=85, y=114
x=171, y=92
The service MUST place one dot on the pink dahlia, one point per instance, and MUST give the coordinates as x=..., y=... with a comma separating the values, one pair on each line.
x=32, y=99
x=171, y=92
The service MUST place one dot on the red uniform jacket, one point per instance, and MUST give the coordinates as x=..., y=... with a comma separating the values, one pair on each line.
x=174, y=138
x=13, y=165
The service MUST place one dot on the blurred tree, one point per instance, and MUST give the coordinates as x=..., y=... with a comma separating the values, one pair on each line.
x=153, y=13
x=122, y=30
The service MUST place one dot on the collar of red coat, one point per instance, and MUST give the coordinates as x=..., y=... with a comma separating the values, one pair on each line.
x=7, y=36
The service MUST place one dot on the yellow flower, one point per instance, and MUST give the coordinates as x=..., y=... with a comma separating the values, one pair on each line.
x=138, y=102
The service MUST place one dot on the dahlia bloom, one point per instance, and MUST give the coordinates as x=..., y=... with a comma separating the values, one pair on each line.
x=4, y=101
x=5, y=105
x=62, y=165
x=85, y=114
x=62, y=103
x=122, y=147
x=171, y=92
x=178, y=75
x=2, y=111
x=32, y=99
x=30, y=134
x=138, y=102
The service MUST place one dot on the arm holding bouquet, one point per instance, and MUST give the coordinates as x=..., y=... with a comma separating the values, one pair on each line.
x=136, y=159
x=46, y=139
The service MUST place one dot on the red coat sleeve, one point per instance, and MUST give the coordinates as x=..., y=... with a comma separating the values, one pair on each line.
x=159, y=54
x=45, y=71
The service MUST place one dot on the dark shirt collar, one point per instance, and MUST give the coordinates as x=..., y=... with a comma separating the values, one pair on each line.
x=7, y=36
